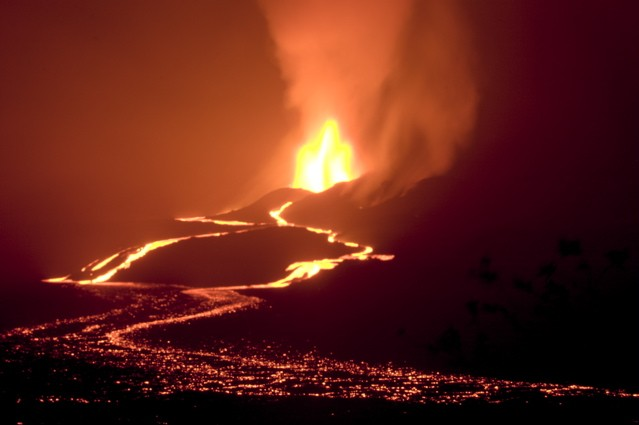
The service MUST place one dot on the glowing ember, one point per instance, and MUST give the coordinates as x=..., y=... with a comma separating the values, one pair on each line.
x=323, y=161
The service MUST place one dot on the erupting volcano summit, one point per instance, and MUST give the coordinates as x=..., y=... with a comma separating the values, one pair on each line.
x=325, y=160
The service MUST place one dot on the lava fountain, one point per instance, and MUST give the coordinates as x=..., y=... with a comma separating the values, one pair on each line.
x=324, y=161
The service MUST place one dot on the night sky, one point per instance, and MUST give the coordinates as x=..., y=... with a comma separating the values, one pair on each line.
x=113, y=113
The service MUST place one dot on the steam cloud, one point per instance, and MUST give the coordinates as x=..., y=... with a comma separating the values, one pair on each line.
x=396, y=74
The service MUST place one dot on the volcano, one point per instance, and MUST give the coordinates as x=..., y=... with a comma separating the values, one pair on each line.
x=465, y=245
x=440, y=290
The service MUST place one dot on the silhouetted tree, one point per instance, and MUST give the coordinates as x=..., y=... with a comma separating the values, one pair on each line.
x=523, y=285
x=473, y=308
x=569, y=248
x=618, y=258
x=449, y=342
x=547, y=270
x=485, y=274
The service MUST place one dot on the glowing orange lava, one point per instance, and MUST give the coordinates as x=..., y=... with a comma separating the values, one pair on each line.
x=303, y=270
x=104, y=270
x=324, y=160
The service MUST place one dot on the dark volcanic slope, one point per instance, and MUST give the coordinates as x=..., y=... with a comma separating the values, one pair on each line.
x=492, y=275
x=376, y=224
x=258, y=212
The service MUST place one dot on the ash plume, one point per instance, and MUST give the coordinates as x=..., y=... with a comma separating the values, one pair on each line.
x=426, y=110
x=396, y=75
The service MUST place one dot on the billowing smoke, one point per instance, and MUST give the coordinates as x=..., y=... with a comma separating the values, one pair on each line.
x=396, y=74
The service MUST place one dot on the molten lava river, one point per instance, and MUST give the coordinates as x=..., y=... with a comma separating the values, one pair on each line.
x=124, y=341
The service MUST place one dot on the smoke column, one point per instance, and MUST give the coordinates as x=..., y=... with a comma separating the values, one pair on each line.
x=396, y=75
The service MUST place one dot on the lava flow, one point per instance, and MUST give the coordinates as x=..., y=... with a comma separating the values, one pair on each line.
x=105, y=270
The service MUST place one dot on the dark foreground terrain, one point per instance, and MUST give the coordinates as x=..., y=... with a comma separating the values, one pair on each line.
x=42, y=387
x=198, y=408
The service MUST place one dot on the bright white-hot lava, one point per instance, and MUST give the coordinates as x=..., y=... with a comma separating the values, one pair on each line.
x=324, y=161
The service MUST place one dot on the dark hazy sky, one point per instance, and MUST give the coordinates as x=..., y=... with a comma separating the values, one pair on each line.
x=134, y=108
x=115, y=110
